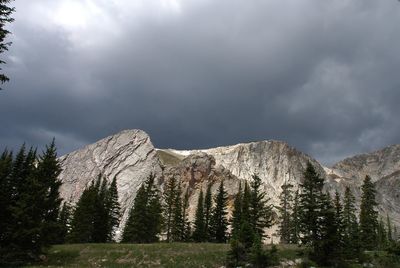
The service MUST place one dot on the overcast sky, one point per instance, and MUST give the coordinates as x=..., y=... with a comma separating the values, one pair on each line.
x=323, y=76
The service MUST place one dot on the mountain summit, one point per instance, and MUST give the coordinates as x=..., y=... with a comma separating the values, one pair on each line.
x=131, y=158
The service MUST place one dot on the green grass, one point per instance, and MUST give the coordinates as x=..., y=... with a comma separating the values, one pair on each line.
x=133, y=255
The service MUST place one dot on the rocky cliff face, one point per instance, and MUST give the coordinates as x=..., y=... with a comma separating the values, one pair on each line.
x=131, y=157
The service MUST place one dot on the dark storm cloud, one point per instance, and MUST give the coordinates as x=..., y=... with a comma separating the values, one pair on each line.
x=321, y=75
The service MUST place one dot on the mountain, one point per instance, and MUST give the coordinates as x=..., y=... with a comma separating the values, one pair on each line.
x=131, y=158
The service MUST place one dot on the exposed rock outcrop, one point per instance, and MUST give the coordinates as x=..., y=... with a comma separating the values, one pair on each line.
x=131, y=157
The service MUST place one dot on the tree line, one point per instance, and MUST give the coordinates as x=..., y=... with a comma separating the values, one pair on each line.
x=329, y=226
x=33, y=216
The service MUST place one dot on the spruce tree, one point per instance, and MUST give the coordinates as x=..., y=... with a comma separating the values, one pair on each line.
x=6, y=164
x=236, y=221
x=368, y=215
x=339, y=222
x=285, y=210
x=169, y=200
x=350, y=226
x=199, y=226
x=260, y=211
x=219, y=222
x=114, y=210
x=5, y=17
x=82, y=224
x=207, y=212
x=64, y=221
x=327, y=249
x=311, y=199
x=145, y=217
x=48, y=170
x=178, y=221
x=295, y=221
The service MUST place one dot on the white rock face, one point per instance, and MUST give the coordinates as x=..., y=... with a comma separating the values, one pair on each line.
x=129, y=156
x=273, y=161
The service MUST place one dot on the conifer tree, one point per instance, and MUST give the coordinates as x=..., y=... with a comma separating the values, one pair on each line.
x=64, y=221
x=178, y=220
x=219, y=222
x=260, y=211
x=237, y=220
x=169, y=200
x=285, y=209
x=82, y=224
x=145, y=217
x=48, y=170
x=114, y=210
x=368, y=215
x=5, y=17
x=246, y=202
x=339, y=224
x=199, y=226
x=350, y=226
x=310, y=207
x=327, y=249
x=207, y=212
x=295, y=221
x=6, y=164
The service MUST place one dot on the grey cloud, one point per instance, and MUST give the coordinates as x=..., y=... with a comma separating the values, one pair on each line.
x=320, y=75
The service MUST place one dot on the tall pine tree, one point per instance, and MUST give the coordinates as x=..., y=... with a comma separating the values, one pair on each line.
x=260, y=211
x=350, y=226
x=199, y=233
x=310, y=207
x=145, y=217
x=169, y=201
x=368, y=215
x=285, y=210
x=236, y=221
x=219, y=221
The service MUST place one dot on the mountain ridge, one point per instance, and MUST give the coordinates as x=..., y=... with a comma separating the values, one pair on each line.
x=130, y=156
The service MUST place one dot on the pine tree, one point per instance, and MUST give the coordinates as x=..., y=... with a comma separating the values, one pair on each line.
x=350, y=226
x=219, y=222
x=339, y=224
x=169, y=199
x=295, y=221
x=207, y=212
x=199, y=226
x=178, y=221
x=260, y=211
x=246, y=202
x=310, y=207
x=236, y=221
x=327, y=249
x=6, y=164
x=5, y=17
x=82, y=224
x=285, y=209
x=64, y=221
x=145, y=217
x=114, y=210
x=154, y=219
x=48, y=170
x=368, y=215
